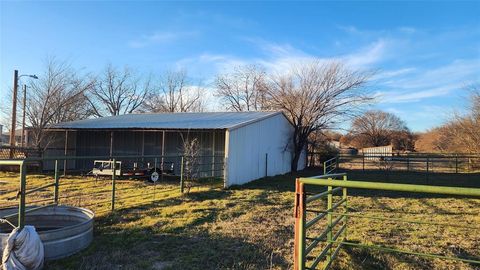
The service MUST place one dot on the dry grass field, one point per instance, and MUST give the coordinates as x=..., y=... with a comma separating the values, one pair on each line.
x=251, y=226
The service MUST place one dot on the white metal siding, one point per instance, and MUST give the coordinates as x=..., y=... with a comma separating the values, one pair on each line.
x=248, y=146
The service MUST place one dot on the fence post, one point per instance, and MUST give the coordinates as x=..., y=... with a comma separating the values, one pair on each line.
x=181, y=175
x=456, y=163
x=337, y=163
x=428, y=169
x=345, y=218
x=324, y=167
x=363, y=161
x=299, y=214
x=21, y=203
x=408, y=163
x=57, y=182
x=329, y=224
x=114, y=167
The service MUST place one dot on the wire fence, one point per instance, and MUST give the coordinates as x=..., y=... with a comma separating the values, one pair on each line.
x=111, y=183
x=9, y=152
x=401, y=162
x=418, y=162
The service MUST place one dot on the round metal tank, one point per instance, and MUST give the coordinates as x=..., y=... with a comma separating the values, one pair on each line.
x=64, y=230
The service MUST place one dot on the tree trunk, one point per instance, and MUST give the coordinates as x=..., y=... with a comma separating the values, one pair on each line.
x=294, y=166
x=297, y=152
x=299, y=143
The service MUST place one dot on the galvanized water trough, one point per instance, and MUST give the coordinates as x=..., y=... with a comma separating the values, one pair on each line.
x=64, y=230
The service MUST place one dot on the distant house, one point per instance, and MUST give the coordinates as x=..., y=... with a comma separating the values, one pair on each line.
x=334, y=144
x=251, y=144
x=5, y=138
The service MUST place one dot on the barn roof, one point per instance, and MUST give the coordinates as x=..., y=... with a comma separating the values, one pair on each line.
x=204, y=120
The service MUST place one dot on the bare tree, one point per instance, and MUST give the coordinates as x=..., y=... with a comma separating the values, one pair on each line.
x=191, y=158
x=378, y=128
x=174, y=94
x=462, y=132
x=314, y=96
x=58, y=96
x=243, y=90
x=118, y=92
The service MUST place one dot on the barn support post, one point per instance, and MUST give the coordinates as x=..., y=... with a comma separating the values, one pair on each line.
x=181, y=175
x=213, y=153
x=226, y=162
x=65, y=153
x=143, y=145
x=111, y=143
x=114, y=168
x=163, y=153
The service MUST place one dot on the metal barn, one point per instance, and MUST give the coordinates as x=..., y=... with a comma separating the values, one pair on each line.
x=249, y=145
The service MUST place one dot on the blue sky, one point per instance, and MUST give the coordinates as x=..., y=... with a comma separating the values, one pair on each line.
x=424, y=53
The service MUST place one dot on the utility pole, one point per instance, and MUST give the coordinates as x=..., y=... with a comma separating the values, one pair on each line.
x=14, y=113
x=23, y=119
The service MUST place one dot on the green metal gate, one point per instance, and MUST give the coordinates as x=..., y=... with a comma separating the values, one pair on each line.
x=334, y=236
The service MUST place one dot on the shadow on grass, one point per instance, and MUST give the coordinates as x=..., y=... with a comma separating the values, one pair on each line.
x=462, y=253
x=132, y=251
x=151, y=247
x=286, y=182
x=213, y=194
x=370, y=259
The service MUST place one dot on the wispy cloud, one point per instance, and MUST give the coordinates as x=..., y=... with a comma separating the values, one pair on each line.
x=367, y=56
x=415, y=96
x=280, y=57
x=206, y=65
x=407, y=86
x=383, y=75
x=407, y=30
x=161, y=38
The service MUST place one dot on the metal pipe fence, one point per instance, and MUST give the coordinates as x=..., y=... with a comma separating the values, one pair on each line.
x=330, y=165
x=403, y=162
x=327, y=243
x=105, y=189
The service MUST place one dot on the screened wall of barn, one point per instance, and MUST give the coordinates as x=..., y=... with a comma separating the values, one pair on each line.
x=142, y=143
x=59, y=144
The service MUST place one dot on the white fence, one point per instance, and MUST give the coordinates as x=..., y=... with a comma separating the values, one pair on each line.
x=376, y=153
